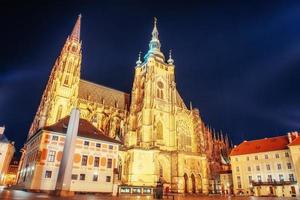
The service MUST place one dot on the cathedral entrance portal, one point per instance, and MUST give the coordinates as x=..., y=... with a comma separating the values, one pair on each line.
x=186, y=179
x=193, y=183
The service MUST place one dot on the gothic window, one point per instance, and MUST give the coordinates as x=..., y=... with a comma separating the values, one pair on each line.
x=159, y=131
x=59, y=111
x=159, y=92
x=183, y=130
x=74, y=48
x=69, y=66
x=66, y=82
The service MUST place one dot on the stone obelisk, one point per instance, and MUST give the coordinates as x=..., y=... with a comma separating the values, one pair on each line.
x=63, y=183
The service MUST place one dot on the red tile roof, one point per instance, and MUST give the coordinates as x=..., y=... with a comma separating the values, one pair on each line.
x=262, y=145
x=85, y=129
x=295, y=142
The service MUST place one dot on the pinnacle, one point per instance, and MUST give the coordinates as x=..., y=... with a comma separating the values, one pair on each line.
x=75, y=35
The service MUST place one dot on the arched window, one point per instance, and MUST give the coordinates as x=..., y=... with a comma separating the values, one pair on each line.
x=66, y=82
x=69, y=66
x=59, y=111
x=159, y=131
x=160, y=88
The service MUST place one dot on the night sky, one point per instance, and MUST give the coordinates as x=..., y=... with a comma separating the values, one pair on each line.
x=238, y=62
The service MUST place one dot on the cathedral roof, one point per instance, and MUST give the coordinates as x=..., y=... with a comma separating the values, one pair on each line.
x=262, y=145
x=85, y=129
x=179, y=101
x=103, y=95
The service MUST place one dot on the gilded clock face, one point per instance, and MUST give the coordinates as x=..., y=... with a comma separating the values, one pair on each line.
x=160, y=84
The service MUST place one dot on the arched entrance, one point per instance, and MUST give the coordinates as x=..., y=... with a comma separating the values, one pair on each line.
x=186, y=179
x=193, y=183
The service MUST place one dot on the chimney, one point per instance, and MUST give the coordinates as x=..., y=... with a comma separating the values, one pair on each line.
x=2, y=128
x=290, y=137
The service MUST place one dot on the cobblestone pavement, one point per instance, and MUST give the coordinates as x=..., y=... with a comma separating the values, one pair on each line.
x=18, y=194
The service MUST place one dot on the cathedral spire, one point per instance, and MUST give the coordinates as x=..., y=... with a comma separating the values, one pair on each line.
x=154, y=45
x=139, y=62
x=170, y=60
x=75, y=35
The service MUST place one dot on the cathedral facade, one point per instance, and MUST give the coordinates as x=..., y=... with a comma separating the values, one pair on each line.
x=162, y=138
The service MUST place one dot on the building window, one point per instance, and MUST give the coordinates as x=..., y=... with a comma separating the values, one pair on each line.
x=86, y=143
x=59, y=111
x=159, y=131
x=269, y=178
x=84, y=160
x=48, y=174
x=96, y=162
x=266, y=156
x=95, y=177
x=98, y=145
x=74, y=177
x=249, y=169
x=239, y=183
x=109, y=163
x=257, y=168
x=237, y=169
x=256, y=157
x=276, y=155
x=82, y=177
x=236, y=159
x=259, y=178
x=287, y=154
x=278, y=166
x=55, y=138
x=111, y=147
x=247, y=158
x=66, y=82
x=289, y=165
x=107, y=178
x=51, y=156
x=291, y=177
x=250, y=179
x=281, y=179
x=268, y=167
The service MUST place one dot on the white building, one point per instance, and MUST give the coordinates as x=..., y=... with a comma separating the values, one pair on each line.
x=94, y=161
x=264, y=168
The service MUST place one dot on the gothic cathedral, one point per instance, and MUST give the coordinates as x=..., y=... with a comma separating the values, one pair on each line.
x=162, y=138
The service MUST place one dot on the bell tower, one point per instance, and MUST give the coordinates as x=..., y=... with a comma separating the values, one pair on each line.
x=151, y=121
x=61, y=91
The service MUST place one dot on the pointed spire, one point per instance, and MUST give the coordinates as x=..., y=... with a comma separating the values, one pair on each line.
x=154, y=45
x=139, y=62
x=170, y=60
x=75, y=35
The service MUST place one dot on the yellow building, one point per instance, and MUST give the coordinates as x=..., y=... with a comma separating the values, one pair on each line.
x=95, y=158
x=7, y=150
x=264, y=168
x=163, y=138
x=294, y=147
